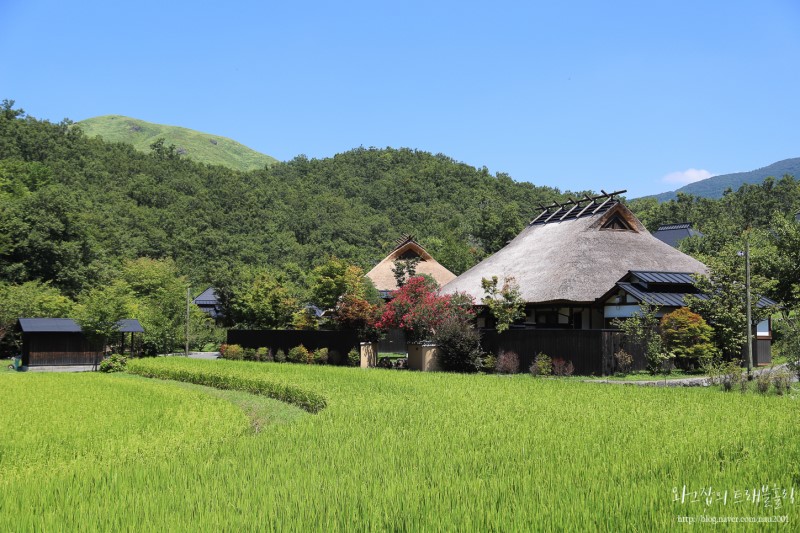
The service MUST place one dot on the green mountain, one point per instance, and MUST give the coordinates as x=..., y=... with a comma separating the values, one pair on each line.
x=715, y=186
x=195, y=145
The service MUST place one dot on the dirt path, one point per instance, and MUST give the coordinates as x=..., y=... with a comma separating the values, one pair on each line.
x=702, y=381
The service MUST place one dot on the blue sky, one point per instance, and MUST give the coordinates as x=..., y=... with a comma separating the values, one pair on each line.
x=580, y=95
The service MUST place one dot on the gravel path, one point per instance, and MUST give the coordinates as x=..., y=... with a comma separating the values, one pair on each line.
x=204, y=355
x=687, y=382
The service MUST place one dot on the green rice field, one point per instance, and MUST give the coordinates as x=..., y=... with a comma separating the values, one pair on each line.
x=391, y=450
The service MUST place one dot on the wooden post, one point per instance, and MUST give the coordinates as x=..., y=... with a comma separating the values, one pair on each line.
x=188, y=303
x=749, y=307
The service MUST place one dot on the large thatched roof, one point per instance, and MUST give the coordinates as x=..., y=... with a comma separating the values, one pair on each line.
x=576, y=259
x=383, y=276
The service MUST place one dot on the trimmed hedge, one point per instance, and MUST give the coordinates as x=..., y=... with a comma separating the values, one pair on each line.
x=219, y=379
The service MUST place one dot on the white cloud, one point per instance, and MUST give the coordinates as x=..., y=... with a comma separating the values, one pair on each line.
x=686, y=176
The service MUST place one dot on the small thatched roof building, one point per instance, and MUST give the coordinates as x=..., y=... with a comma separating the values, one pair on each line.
x=407, y=248
x=570, y=256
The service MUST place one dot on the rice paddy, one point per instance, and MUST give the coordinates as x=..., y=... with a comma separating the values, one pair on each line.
x=391, y=450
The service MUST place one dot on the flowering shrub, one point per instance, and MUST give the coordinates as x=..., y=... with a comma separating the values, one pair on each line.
x=419, y=310
x=507, y=363
x=563, y=367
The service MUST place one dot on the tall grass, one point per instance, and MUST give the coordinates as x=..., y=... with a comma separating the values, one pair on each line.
x=410, y=451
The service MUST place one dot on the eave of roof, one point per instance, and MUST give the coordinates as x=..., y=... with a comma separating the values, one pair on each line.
x=67, y=325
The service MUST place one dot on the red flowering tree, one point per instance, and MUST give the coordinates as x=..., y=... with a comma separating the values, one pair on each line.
x=354, y=312
x=418, y=309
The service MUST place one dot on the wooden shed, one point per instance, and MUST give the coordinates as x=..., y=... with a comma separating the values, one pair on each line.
x=60, y=341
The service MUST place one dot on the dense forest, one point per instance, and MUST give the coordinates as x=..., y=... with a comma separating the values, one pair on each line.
x=74, y=207
x=79, y=215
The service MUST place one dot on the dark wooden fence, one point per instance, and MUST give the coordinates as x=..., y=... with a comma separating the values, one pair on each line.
x=340, y=342
x=590, y=350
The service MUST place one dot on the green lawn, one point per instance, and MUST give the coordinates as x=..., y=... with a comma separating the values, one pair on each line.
x=392, y=450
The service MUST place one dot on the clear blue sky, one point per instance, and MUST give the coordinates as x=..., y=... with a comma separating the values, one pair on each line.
x=613, y=95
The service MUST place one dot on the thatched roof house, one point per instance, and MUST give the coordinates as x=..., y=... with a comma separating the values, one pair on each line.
x=570, y=256
x=407, y=248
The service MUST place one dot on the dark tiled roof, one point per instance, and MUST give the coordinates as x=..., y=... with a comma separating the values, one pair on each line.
x=684, y=278
x=130, y=325
x=667, y=227
x=673, y=299
x=672, y=234
x=207, y=297
x=665, y=299
x=49, y=325
x=67, y=325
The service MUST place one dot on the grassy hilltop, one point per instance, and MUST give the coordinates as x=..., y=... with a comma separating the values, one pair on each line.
x=196, y=145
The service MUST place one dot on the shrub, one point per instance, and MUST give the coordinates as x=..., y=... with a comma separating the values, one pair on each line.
x=401, y=364
x=263, y=354
x=489, y=363
x=623, y=361
x=354, y=358
x=280, y=356
x=687, y=337
x=782, y=381
x=222, y=349
x=249, y=354
x=506, y=304
x=507, y=363
x=730, y=375
x=384, y=362
x=794, y=366
x=542, y=365
x=234, y=352
x=114, y=363
x=298, y=354
x=763, y=381
x=562, y=367
x=641, y=329
x=321, y=356
x=459, y=344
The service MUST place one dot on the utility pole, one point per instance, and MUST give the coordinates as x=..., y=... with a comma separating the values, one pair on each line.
x=749, y=306
x=188, y=304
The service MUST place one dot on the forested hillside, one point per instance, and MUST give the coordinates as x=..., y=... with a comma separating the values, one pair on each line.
x=715, y=187
x=74, y=208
